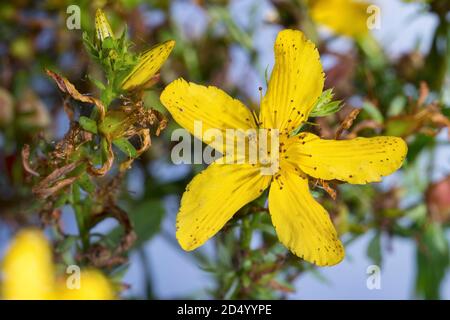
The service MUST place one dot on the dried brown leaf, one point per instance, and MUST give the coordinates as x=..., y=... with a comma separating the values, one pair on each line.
x=67, y=87
x=347, y=123
x=26, y=161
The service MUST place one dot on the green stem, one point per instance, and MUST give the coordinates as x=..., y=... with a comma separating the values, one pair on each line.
x=147, y=274
x=246, y=233
x=245, y=264
x=79, y=210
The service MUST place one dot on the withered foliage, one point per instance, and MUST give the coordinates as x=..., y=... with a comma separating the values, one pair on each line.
x=89, y=158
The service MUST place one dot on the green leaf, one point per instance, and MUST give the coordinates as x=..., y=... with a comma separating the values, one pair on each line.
x=373, y=111
x=104, y=150
x=86, y=183
x=418, y=214
x=266, y=75
x=126, y=147
x=62, y=200
x=446, y=111
x=89, y=45
x=113, y=123
x=97, y=83
x=432, y=261
x=122, y=43
x=88, y=124
x=146, y=218
x=107, y=96
x=399, y=127
x=374, y=249
x=66, y=244
x=108, y=43
x=327, y=109
x=325, y=106
x=420, y=142
x=374, y=52
x=397, y=106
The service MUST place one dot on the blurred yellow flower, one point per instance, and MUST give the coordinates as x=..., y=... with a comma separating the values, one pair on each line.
x=27, y=268
x=28, y=273
x=346, y=17
x=94, y=286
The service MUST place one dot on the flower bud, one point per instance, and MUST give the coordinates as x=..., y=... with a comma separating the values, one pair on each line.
x=102, y=28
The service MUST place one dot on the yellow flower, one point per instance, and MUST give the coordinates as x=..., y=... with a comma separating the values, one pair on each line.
x=148, y=65
x=93, y=286
x=346, y=17
x=102, y=27
x=217, y=193
x=27, y=268
x=28, y=273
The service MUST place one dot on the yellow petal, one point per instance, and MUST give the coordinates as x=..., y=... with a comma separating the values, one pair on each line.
x=102, y=27
x=188, y=102
x=358, y=161
x=346, y=17
x=302, y=224
x=93, y=286
x=27, y=268
x=295, y=84
x=148, y=65
x=213, y=197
